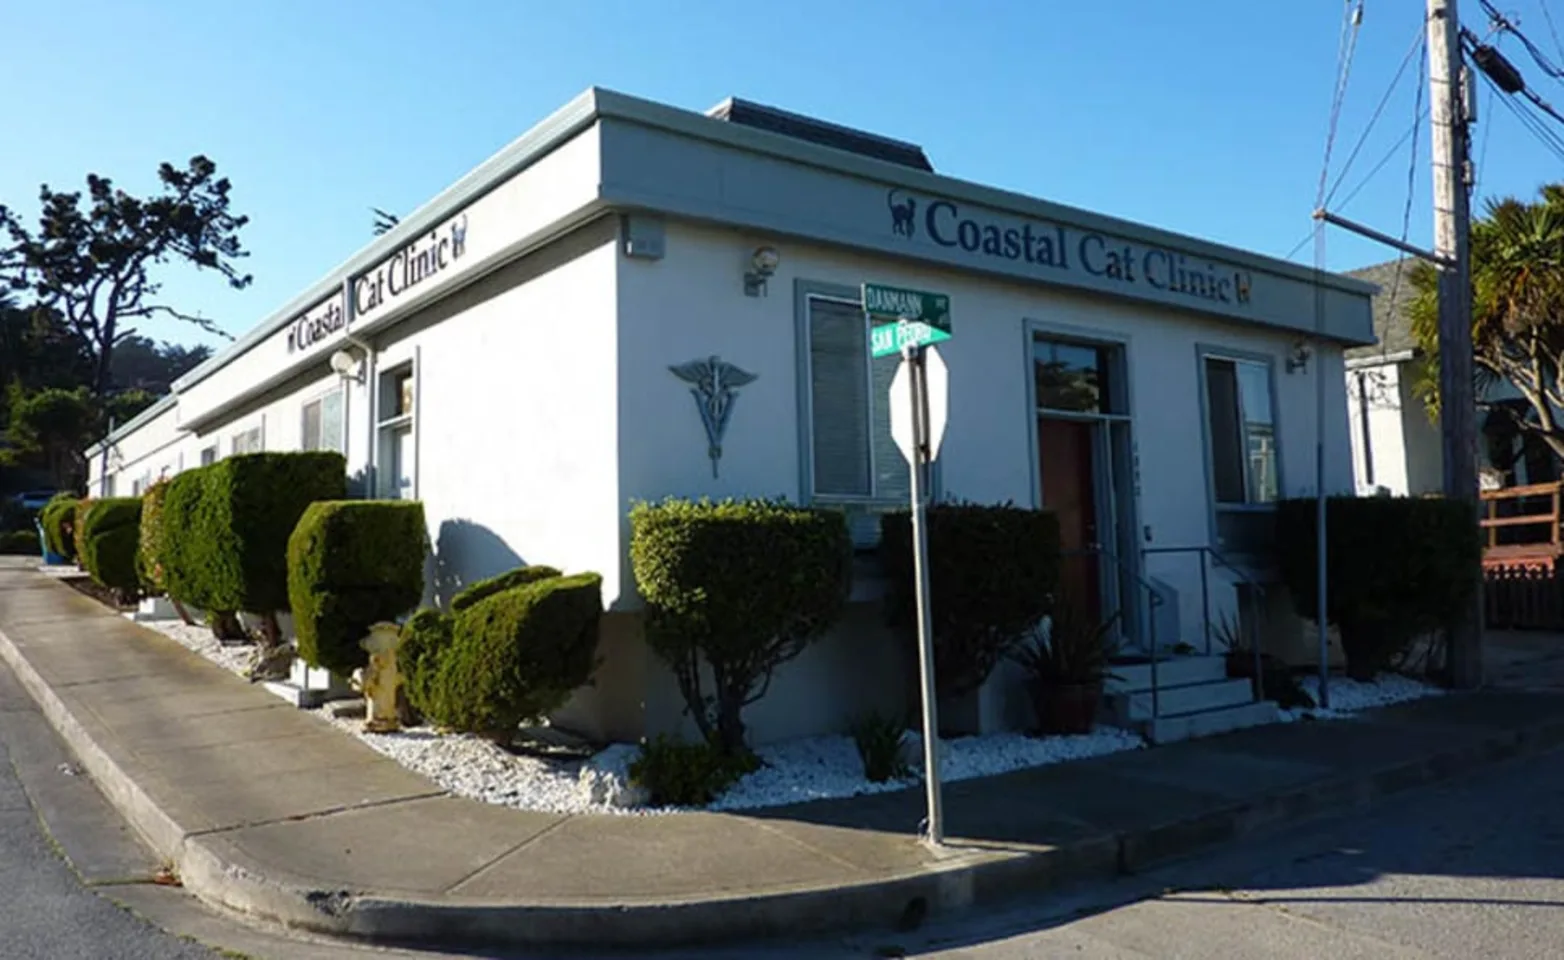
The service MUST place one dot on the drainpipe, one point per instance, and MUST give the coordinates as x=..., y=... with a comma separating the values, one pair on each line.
x=369, y=391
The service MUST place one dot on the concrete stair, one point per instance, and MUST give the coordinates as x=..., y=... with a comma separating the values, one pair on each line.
x=1195, y=698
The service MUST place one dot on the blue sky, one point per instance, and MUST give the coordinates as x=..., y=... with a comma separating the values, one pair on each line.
x=1206, y=118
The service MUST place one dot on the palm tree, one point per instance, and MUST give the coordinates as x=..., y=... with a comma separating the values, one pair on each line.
x=1517, y=310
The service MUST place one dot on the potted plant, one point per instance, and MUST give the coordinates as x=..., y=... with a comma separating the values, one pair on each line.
x=1066, y=667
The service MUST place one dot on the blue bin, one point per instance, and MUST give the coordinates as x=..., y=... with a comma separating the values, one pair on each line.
x=49, y=556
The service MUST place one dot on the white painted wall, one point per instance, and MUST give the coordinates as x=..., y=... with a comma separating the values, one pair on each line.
x=515, y=421
x=691, y=305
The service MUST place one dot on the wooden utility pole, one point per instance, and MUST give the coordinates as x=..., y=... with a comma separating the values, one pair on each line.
x=1452, y=223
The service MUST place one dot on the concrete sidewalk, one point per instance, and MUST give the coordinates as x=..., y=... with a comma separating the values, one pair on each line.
x=267, y=810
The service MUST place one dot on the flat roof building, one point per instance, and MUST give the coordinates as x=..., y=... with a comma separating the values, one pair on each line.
x=520, y=353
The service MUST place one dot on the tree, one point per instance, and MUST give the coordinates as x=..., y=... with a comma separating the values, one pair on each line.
x=139, y=363
x=1517, y=310
x=52, y=426
x=94, y=266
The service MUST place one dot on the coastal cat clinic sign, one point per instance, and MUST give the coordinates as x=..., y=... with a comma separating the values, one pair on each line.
x=1047, y=247
x=415, y=263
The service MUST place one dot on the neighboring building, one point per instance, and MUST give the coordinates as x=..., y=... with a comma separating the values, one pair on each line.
x=534, y=350
x=1395, y=443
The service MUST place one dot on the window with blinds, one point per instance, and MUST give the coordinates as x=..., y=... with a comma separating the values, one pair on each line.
x=854, y=457
x=323, y=428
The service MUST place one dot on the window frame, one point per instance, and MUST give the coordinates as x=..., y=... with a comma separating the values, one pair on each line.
x=319, y=399
x=805, y=292
x=1204, y=353
x=388, y=423
x=259, y=428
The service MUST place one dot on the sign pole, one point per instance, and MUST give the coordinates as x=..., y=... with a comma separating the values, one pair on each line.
x=913, y=357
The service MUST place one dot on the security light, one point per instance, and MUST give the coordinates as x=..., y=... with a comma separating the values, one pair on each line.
x=345, y=364
x=763, y=263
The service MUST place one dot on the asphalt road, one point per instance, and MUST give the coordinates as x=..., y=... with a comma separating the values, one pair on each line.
x=45, y=911
x=1474, y=868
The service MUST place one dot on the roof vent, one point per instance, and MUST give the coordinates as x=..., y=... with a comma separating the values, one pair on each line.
x=799, y=127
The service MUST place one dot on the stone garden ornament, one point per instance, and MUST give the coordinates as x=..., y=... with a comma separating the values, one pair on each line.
x=714, y=383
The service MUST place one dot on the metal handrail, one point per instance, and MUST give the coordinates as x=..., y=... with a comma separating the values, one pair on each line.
x=1207, y=551
x=1151, y=594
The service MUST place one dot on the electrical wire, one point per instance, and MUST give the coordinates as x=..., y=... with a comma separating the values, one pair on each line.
x=1344, y=55
x=1533, y=124
x=1552, y=30
x=1406, y=210
x=1419, y=42
x=1504, y=23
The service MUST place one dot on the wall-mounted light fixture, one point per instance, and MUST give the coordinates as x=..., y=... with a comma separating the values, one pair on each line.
x=1298, y=358
x=347, y=365
x=762, y=264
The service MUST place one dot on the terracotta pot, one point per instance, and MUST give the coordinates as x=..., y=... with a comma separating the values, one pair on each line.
x=1066, y=708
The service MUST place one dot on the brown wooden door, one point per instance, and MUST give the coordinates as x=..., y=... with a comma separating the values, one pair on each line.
x=1064, y=452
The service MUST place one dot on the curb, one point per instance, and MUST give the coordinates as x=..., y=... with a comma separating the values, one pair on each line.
x=969, y=878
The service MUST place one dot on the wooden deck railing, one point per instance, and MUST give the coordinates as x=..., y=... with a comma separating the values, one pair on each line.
x=1535, y=506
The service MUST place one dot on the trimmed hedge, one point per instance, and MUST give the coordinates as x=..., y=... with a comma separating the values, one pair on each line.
x=78, y=528
x=425, y=637
x=743, y=585
x=20, y=543
x=110, y=535
x=993, y=572
x=352, y=563
x=148, y=567
x=492, y=585
x=1396, y=568
x=514, y=656
x=227, y=526
x=58, y=517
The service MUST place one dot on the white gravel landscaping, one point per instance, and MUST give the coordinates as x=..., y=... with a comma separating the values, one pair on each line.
x=796, y=771
x=1348, y=697
x=813, y=768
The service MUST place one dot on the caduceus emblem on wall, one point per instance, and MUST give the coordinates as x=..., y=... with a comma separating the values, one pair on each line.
x=714, y=384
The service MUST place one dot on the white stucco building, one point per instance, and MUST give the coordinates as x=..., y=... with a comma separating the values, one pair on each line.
x=513, y=344
x=1395, y=443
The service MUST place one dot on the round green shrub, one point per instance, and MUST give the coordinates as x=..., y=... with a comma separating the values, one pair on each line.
x=59, y=525
x=516, y=655
x=744, y=586
x=993, y=571
x=1397, y=568
x=110, y=535
x=492, y=585
x=352, y=563
x=680, y=774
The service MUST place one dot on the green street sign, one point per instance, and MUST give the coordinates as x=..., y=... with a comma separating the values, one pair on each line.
x=889, y=338
x=908, y=317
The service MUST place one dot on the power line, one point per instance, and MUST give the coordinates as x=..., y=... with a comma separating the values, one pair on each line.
x=1419, y=42
x=1552, y=30
x=1344, y=54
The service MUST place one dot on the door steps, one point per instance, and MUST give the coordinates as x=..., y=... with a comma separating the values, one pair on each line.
x=1195, y=698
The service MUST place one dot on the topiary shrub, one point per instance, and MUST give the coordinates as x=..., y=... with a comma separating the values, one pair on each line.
x=78, y=537
x=993, y=572
x=110, y=535
x=58, y=517
x=425, y=637
x=20, y=543
x=227, y=525
x=1397, y=568
x=492, y=585
x=148, y=567
x=744, y=586
x=352, y=563
x=514, y=656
